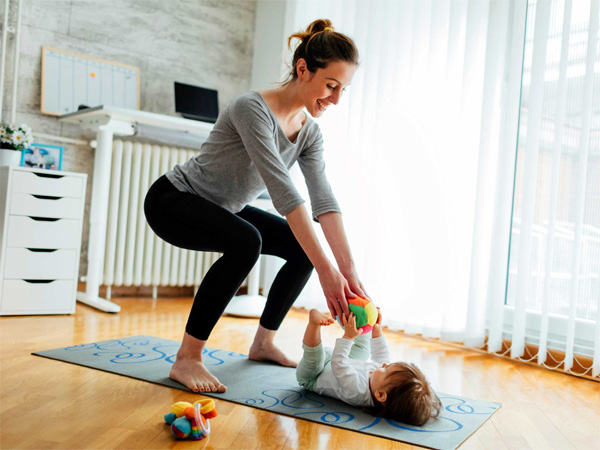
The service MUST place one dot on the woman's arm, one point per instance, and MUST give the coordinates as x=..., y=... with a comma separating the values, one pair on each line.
x=335, y=287
x=333, y=228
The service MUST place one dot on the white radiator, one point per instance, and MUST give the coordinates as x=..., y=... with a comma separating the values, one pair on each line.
x=134, y=255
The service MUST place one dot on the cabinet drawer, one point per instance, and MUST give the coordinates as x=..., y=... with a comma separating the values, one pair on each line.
x=28, y=264
x=20, y=296
x=23, y=231
x=45, y=206
x=47, y=184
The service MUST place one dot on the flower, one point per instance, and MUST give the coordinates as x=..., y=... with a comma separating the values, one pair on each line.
x=15, y=137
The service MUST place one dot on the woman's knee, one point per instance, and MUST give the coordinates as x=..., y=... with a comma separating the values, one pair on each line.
x=247, y=242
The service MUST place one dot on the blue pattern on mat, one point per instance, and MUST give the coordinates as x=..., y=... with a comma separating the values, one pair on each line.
x=150, y=358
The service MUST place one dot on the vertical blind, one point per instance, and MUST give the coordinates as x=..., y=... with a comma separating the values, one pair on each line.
x=554, y=270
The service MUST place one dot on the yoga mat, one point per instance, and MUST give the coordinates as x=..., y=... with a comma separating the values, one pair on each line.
x=274, y=388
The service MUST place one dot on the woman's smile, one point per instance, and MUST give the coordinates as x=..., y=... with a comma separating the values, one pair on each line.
x=322, y=106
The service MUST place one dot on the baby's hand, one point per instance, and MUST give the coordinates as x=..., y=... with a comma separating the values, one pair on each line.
x=350, y=331
x=377, y=327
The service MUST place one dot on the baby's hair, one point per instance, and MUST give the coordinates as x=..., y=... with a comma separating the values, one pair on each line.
x=410, y=399
x=319, y=45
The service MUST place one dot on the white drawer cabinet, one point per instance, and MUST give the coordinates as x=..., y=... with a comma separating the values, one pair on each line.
x=49, y=182
x=38, y=205
x=40, y=264
x=38, y=296
x=41, y=219
x=42, y=232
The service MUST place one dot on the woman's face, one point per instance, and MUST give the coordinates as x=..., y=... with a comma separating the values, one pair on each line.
x=324, y=87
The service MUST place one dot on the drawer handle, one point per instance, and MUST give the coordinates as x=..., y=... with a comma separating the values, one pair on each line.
x=43, y=219
x=47, y=175
x=42, y=250
x=38, y=281
x=46, y=197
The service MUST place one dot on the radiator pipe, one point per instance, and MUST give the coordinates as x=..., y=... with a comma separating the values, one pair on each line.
x=3, y=55
x=16, y=63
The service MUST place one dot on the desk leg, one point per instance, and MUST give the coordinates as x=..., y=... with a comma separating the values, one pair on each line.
x=98, y=214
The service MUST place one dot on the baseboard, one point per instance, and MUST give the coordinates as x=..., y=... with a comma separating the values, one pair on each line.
x=581, y=364
x=147, y=291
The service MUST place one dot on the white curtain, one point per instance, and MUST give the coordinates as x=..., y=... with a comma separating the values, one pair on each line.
x=553, y=295
x=421, y=156
x=403, y=152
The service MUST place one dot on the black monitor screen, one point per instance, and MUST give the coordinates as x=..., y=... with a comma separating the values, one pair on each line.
x=195, y=102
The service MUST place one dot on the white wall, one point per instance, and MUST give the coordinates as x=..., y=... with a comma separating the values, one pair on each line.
x=267, y=63
x=202, y=42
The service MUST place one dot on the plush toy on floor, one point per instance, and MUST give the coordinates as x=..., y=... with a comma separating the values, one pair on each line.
x=191, y=421
x=365, y=312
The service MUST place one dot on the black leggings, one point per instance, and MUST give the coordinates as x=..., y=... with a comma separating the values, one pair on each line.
x=189, y=221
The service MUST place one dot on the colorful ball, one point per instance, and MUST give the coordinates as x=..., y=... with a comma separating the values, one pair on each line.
x=181, y=428
x=179, y=407
x=189, y=412
x=191, y=421
x=365, y=312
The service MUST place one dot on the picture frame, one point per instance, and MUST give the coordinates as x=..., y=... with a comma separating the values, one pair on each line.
x=43, y=156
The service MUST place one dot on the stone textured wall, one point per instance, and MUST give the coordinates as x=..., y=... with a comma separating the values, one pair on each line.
x=201, y=42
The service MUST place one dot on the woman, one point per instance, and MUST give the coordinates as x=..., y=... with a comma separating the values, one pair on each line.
x=202, y=205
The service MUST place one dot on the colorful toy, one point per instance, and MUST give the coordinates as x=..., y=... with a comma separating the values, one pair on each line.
x=365, y=312
x=191, y=421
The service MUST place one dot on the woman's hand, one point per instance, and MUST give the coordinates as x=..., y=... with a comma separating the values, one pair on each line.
x=350, y=331
x=353, y=282
x=336, y=290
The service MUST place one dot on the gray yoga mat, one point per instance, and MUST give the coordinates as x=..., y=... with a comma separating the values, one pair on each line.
x=274, y=388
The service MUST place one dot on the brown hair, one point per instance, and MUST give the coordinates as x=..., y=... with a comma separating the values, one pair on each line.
x=410, y=399
x=319, y=45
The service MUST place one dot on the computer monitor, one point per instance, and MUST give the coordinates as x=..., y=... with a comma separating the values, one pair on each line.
x=197, y=103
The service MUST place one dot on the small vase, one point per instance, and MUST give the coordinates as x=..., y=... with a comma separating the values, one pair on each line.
x=10, y=158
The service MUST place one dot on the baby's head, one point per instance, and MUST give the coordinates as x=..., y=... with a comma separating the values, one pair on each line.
x=401, y=392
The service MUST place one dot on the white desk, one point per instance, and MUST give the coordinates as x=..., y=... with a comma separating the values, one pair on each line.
x=108, y=121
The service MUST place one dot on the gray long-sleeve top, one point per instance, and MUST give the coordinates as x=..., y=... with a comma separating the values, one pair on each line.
x=247, y=151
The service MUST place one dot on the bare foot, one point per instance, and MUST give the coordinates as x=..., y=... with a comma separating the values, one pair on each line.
x=193, y=374
x=268, y=352
x=318, y=318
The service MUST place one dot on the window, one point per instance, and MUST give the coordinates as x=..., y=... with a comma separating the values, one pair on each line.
x=555, y=234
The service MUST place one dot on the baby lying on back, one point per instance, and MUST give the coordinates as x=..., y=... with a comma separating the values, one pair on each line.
x=396, y=391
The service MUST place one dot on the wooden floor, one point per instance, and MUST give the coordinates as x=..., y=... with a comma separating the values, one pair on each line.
x=48, y=404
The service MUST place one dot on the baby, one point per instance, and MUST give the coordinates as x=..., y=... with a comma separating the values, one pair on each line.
x=397, y=391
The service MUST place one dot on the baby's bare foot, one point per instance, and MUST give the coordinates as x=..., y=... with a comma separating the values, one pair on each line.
x=193, y=374
x=319, y=318
x=268, y=352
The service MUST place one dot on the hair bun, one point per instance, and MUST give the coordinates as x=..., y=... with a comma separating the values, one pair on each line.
x=319, y=26
x=319, y=45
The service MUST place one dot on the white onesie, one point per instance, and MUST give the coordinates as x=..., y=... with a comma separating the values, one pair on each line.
x=346, y=378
